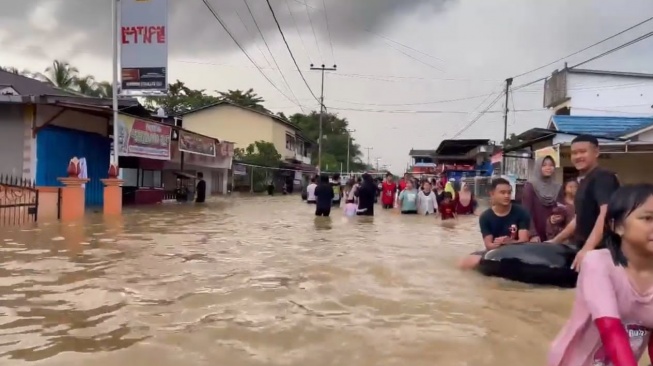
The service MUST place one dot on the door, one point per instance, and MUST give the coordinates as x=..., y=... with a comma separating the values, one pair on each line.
x=55, y=146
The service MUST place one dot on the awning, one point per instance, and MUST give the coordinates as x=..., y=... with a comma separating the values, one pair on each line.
x=184, y=175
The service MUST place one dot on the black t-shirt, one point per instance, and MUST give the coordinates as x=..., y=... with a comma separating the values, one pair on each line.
x=324, y=195
x=594, y=191
x=201, y=191
x=509, y=225
x=366, y=194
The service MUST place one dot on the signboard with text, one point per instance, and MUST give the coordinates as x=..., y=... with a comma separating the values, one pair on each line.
x=196, y=144
x=143, y=139
x=143, y=41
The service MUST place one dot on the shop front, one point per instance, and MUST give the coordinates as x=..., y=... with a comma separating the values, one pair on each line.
x=193, y=153
x=143, y=148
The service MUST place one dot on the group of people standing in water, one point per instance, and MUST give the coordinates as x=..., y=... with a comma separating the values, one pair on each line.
x=409, y=196
x=611, y=230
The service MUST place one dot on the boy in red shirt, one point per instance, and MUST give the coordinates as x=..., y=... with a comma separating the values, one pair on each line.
x=388, y=191
x=447, y=207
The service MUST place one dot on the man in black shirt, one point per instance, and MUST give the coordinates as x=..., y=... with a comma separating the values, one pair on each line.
x=323, y=197
x=594, y=191
x=200, y=194
x=503, y=223
x=366, y=193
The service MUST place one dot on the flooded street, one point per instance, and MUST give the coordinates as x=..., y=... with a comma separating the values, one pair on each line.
x=259, y=281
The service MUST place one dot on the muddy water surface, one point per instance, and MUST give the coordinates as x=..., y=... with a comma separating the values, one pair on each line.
x=259, y=281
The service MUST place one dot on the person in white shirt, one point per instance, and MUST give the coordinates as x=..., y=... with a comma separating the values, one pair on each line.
x=310, y=192
x=427, y=204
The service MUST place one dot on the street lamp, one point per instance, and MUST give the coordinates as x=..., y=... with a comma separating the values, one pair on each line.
x=349, y=132
x=368, y=154
x=377, y=163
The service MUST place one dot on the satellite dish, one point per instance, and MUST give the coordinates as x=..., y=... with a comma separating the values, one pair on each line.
x=160, y=112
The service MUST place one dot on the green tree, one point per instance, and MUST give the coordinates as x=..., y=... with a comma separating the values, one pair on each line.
x=247, y=99
x=335, y=139
x=104, y=89
x=61, y=74
x=180, y=98
x=87, y=86
x=511, y=141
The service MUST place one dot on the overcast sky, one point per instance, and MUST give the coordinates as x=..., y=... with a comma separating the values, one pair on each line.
x=395, y=56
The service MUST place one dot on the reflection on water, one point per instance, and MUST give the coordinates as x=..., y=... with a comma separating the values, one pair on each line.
x=260, y=281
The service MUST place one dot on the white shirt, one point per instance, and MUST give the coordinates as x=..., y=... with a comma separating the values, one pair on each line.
x=310, y=192
x=426, y=204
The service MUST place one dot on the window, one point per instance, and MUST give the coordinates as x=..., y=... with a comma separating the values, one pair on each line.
x=130, y=177
x=290, y=143
x=150, y=178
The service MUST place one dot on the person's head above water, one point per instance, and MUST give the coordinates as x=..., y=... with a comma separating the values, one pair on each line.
x=501, y=192
x=324, y=178
x=409, y=185
x=200, y=175
x=367, y=178
x=585, y=152
x=544, y=167
x=313, y=179
x=336, y=177
x=447, y=197
x=426, y=186
x=570, y=187
x=389, y=177
x=628, y=232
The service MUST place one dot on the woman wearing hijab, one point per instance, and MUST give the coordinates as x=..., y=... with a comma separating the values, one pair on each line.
x=540, y=197
x=465, y=204
x=450, y=188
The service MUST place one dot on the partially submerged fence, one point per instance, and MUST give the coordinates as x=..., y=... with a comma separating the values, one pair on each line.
x=19, y=201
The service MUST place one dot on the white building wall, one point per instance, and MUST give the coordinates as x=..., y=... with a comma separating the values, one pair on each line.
x=607, y=95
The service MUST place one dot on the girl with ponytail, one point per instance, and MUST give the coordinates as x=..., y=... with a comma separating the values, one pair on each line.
x=612, y=317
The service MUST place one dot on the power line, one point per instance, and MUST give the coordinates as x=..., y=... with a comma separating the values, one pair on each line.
x=478, y=117
x=303, y=2
x=215, y=15
x=242, y=21
x=310, y=21
x=291, y=54
x=636, y=40
x=299, y=34
x=326, y=19
x=586, y=48
x=274, y=59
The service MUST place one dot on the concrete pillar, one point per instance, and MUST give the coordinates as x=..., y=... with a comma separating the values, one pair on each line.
x=224, y=173
x=112, y=196
x=73, y=200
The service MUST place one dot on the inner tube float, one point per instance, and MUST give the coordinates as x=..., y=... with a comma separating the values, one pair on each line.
x=533, y=263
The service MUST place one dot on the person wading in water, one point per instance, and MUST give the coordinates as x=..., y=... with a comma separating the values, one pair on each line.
x=503, y=223
x=596, y=187
x=540, y=197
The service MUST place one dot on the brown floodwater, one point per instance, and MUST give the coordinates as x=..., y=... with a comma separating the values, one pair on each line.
x=260, y=281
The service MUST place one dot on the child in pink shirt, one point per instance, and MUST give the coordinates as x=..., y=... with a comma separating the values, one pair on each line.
x=612, y=317
x=350, y=209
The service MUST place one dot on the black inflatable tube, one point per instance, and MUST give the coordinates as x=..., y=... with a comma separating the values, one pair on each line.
x=534, y=263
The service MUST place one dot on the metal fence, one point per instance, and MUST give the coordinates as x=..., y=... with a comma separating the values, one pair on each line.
x=19, y=201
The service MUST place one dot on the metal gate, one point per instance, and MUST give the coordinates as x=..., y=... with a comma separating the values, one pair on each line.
x=19, y=201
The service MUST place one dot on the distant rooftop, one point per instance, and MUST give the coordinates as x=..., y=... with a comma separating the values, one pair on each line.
x=600, y=126
x=415, y=152
x=610, y=73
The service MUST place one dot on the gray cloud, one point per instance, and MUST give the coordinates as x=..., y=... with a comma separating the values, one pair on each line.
x=195, y=32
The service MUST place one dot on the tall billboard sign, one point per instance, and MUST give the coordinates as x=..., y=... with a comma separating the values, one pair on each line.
x=143, y=39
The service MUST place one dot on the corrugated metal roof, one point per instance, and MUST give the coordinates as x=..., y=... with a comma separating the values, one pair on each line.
x=601, y=126
x=416, y=152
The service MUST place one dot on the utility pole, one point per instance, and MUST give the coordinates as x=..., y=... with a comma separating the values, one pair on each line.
x=505, y=125
x=377, y=163
x=368, y=154
x=319, y=139
x=349, y=132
